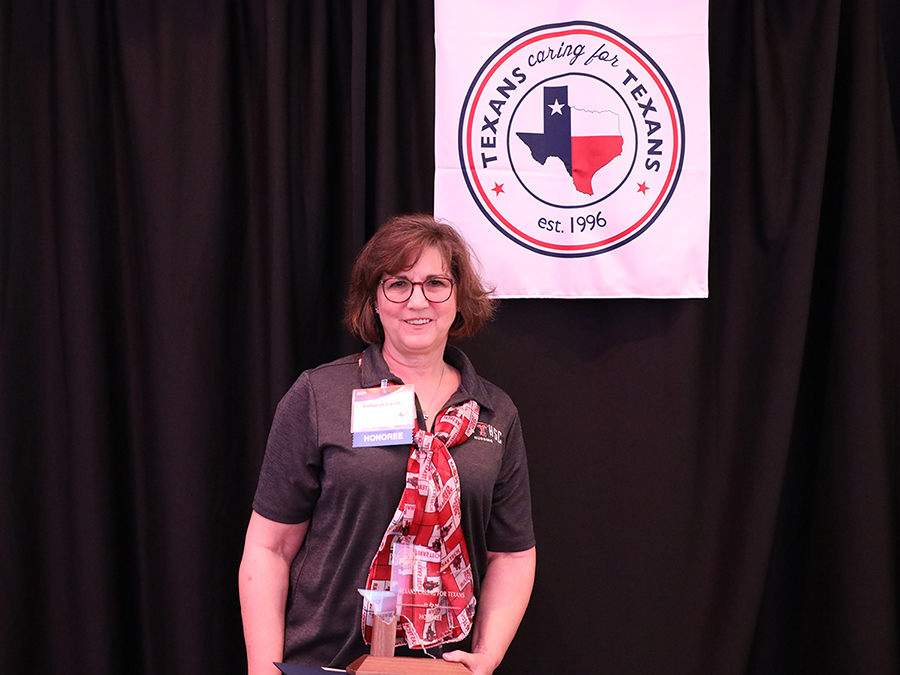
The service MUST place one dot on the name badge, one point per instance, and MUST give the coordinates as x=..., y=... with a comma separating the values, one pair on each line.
x=383, y=415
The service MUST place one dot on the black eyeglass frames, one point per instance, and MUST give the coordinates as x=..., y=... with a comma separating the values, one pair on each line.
x=435, y=289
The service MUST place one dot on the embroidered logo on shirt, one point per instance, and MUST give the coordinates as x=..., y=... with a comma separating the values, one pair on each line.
x=488, y=433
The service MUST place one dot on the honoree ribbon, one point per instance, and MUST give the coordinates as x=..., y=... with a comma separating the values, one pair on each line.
x=423, y=556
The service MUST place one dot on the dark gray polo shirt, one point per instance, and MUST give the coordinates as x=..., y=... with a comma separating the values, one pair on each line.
x=311, y=472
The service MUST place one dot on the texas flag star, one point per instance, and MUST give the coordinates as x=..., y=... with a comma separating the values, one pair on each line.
x=556, y=107
x=498, y=188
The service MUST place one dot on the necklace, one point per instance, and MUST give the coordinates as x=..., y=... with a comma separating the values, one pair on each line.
x=440, y=382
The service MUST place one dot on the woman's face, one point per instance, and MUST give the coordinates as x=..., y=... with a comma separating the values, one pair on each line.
x=417, y=327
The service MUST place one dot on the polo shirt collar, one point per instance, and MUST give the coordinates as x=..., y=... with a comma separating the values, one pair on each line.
x=374, y=369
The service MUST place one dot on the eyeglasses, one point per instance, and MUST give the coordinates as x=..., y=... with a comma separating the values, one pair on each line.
x=435, y=289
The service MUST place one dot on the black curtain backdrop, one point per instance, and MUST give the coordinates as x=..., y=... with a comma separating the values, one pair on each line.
x=183, y=189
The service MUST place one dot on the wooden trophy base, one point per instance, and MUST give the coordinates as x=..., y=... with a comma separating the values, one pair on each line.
x=383, y=662
x=404, y=665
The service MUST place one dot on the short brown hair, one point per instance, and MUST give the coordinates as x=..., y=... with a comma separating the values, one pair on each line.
x=396, y=246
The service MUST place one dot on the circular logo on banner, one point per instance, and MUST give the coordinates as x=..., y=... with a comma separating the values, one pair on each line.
x=571, y=139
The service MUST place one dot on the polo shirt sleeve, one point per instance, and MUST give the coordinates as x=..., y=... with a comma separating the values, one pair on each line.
x=289, y=480
x=510, y=527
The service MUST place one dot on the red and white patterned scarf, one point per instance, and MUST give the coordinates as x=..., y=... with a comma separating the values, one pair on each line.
x=423, y=550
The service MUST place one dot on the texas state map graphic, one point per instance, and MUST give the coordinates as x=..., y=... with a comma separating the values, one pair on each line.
x=582, y=155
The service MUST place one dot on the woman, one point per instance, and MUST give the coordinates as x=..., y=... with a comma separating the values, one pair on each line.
x=324, y=510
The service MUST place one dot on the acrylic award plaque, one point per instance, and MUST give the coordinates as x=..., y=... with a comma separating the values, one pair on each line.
x=420, y=600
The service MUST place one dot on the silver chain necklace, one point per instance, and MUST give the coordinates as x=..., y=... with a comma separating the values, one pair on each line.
x=440, y=382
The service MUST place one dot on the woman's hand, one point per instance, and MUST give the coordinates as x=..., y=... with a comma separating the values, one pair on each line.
x=478, y=663
x=504, y=596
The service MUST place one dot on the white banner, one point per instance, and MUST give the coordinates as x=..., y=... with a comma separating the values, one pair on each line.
x=572, y=144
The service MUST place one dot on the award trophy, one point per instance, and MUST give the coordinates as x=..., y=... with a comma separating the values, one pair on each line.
x=416, y=597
